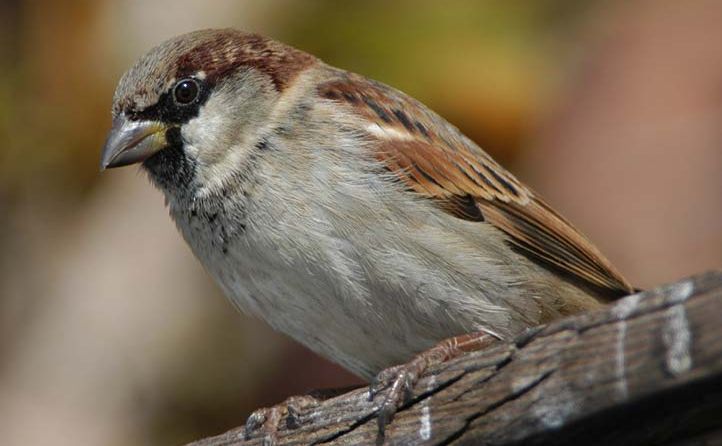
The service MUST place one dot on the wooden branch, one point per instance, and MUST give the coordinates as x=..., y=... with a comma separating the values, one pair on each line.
x=647, y=370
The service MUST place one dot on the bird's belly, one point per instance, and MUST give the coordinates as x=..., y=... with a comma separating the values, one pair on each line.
x=365, y=305
x=358, y=331
x=362, y=317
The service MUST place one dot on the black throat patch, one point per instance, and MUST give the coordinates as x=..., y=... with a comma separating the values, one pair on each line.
x=171, y=169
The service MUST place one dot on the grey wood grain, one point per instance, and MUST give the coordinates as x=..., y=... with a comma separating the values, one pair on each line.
x=647, y=370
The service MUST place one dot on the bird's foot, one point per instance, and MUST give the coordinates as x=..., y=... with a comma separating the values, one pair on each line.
x=268, y=419
x=397, y=383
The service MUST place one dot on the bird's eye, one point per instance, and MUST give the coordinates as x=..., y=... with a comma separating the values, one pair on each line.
x=186, y=91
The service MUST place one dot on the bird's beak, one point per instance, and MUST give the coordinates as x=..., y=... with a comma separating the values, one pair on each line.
x=131, y=142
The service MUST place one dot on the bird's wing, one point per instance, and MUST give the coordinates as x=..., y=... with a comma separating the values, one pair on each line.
x=436, y=161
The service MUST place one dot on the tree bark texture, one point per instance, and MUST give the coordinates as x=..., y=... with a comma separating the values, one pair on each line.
x=645, y=370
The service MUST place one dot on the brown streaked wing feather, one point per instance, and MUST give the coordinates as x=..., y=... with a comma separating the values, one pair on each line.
x=436, y=161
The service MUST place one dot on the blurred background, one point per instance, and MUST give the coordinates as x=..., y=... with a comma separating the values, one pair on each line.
x=110, y=331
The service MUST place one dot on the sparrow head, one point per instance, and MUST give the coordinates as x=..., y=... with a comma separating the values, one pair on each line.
x=192, y=104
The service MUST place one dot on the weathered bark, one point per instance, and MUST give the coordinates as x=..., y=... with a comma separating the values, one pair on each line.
x=647, y=370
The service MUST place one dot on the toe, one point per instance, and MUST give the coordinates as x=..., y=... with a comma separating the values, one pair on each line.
x=255, y=421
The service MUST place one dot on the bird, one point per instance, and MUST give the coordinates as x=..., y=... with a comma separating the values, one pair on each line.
x=343, y=212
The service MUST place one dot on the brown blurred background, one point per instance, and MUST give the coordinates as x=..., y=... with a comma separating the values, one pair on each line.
x=110, y=331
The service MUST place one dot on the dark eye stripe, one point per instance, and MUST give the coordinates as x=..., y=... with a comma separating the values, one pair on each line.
x=169, y=110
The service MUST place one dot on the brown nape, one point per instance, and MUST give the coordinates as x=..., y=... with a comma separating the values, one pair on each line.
x=221, y=51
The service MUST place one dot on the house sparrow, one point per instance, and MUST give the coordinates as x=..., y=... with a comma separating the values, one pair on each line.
x=341, y=211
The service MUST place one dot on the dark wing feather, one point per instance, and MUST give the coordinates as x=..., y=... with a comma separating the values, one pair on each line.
x=436, y=161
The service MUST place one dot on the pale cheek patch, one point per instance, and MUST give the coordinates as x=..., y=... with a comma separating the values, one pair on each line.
x=206, y=131
x=211, y=139
x=191, y=150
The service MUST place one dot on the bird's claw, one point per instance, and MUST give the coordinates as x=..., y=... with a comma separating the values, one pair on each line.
x=268, y=419
x=397, y=384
